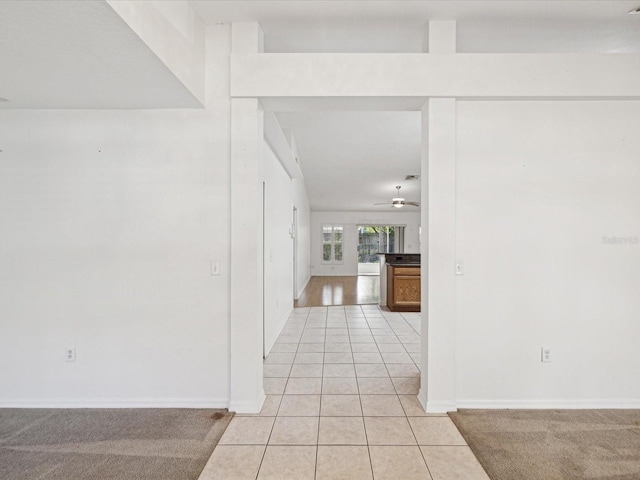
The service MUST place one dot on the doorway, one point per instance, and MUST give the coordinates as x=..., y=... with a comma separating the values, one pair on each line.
x=374, y=239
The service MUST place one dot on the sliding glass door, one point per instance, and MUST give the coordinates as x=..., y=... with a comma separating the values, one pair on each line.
x=374, y=239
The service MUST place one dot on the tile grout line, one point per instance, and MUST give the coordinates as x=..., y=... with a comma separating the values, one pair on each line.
x=397, y=395
x=418, y=333
x=425, y=461
x=407, y=417
x=315, y=469
x=338, y=324
x=394, y=385
x=404, y=346
x=366, y=436
x=264, y=453
x=406, y=351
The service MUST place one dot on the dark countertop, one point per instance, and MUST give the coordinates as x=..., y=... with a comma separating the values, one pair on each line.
x=400, y=259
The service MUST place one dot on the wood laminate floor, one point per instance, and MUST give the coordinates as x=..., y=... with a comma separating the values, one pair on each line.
x=324, y=291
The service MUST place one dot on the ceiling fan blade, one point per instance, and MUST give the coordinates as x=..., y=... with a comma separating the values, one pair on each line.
x=414, y=204
x=383, y=203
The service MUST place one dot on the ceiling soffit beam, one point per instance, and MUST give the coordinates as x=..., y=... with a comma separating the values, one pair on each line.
x=458, y=75
x=174, y=32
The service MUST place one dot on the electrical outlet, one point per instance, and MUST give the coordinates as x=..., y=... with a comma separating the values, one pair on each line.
x=70, y=354
x=215, y=267
x=459, y=267
x=545, y=354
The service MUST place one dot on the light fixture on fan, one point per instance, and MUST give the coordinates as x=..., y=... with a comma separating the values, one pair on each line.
x=398, y=201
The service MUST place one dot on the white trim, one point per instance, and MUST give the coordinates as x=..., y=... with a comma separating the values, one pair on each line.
x=248, y=407
x=271, y=341
x=441, y=407
x=422, y=398
x=574, y=404
x=115, y=403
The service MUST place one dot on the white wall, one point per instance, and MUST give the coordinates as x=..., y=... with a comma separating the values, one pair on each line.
x=278, y=247
x=350, y=221
x=281, y=195
x=538, y=187
x=109, y=222
x=303, y=238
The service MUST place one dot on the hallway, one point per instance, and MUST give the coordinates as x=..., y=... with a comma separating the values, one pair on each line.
x=332, y=291
x=341, y=385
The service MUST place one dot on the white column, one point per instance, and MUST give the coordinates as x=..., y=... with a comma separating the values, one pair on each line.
x=246, y=37
x=438, y=255
x=424, y=258
x=437, y=392
x=246, y=390
x=442, y=36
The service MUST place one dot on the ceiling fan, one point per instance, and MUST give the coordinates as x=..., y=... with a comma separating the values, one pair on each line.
x=398, y=201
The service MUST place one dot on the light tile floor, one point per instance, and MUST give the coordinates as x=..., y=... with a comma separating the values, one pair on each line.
x=341, y=385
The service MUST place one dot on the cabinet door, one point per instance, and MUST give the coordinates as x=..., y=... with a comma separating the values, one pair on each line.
x=406, y=290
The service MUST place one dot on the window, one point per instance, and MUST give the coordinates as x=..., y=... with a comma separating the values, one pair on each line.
x=332, y=243
x=374, y=239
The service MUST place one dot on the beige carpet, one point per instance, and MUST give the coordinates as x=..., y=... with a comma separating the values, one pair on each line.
x=554, y=444
x=108, y=444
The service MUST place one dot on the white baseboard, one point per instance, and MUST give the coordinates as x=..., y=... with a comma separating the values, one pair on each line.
x=331, y=274
x=114, y=403
x=248, y=406
x=441, y=407
x=422, y=398
x=568, y=404
x=271, y=341
x=303, y=287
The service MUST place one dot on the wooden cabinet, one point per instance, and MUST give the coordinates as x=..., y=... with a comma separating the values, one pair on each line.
x=403, y=288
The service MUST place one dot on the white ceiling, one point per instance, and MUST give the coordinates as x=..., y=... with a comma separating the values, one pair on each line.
x=397, y=25
x=351, y=160
x=69, y=54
